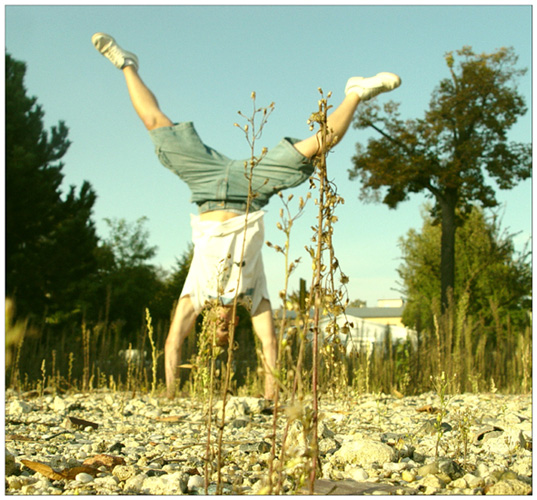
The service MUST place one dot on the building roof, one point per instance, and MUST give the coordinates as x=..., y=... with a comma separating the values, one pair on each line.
x=375, y=312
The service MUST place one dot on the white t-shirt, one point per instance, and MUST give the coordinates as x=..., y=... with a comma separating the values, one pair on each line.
x=215, y=270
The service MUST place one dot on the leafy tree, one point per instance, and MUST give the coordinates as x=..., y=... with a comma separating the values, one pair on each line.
x=129, y=242
x=176, y=281
x=450, y=152
x=130, y=282
x=172, y=285
x=50, y=239
x=358, y=303
x=491, y=275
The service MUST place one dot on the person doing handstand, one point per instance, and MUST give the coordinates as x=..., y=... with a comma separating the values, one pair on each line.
x=220, y=188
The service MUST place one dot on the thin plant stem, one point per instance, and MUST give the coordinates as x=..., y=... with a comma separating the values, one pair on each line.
x=252, y=135
x=317, y=291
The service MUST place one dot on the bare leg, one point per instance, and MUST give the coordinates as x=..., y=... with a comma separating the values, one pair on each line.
x=142, y=98
x=358, y=89
x=264, y=328
x=144, y=101
x=182, y=324
x=338, y=124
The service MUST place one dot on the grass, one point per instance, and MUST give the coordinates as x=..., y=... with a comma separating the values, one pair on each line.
x=84, y=358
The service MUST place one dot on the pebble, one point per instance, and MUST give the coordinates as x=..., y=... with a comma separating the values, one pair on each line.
x=510, y=487
x=364, y=452
x=370, y=438
x=357, y=473
x=408, y=475
x=18, y=407
x=83, y=477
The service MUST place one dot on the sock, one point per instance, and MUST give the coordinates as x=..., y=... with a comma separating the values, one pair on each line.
x=128, y=62
x=357, y=90
x=353, y=86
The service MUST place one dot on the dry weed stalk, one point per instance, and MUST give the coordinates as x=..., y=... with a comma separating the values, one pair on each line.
x=15, y=334
x=326, y=296
x=86, y=357
x=286, y=224
x=252, y=133
x=154, y=353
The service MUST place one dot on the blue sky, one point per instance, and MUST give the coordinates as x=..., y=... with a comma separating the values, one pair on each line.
x=203, y=62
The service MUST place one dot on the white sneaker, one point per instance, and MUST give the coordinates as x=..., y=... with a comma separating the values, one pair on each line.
x=108, y=47
x=366, y=88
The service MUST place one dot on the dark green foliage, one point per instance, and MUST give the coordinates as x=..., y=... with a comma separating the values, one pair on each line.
x=448, y=153
x=50, y=238
x=491, y=275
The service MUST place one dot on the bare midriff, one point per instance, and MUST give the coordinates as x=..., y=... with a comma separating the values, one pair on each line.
x=218, y=215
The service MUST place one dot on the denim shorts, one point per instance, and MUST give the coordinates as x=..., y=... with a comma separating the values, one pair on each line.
x=220, y=183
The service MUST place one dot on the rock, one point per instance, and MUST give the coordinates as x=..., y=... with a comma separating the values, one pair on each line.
x=505, y=443
x=328, y=446
x=195, y=482
x=133, y=485
x=11, y=466
x=296, y=440
x=161, y=455
x=441, y=466
x=473, y=481
x=235, y=408
x=364, y=452
x=14, y=483
x=239, y=423
x=523, y=466
x=433, y=481
x=59, y=405
x=394, y=467
x=255, y=406
x=109, y=482
x=84, y=477
x=168, y=484
x=406, y=451
x=357, y=473
x=483, y=469
x=427, y=469
x=509, y=487
x=418, y=457
x=18, y=407
x=123, y=472
x=449, y=467
x=460, y=483
x=324, y=431
x=258, y=447
x=408, y=475
x=486, y=432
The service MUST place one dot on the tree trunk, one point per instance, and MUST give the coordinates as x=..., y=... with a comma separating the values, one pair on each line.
x=447, y=252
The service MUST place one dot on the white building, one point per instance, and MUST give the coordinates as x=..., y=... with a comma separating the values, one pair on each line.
x=369, y=325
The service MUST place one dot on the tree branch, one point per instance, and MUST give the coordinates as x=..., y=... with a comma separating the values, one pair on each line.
x=389, y=137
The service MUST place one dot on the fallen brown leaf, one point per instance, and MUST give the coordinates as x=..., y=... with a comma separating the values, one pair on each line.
x=428, y=409
x=171, y=418
x=83, y=423
x=109, y=461
x=18, y=437
x=44, y=469
x=398, y=394
x=73, y=471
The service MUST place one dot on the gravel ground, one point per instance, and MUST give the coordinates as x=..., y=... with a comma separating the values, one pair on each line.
x=112, y=444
